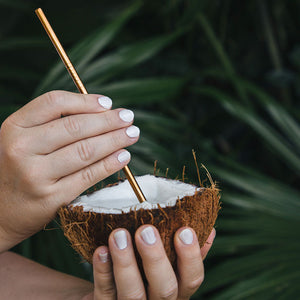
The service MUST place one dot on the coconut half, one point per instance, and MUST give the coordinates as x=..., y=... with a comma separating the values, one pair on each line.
x=88, y=221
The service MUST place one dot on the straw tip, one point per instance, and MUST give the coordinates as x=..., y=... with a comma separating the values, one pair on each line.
x=38, y=10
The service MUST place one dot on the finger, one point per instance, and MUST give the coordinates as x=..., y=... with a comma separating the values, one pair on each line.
x=103, y=275
x=208, y=243
x=74, y=157
x=128, y=279
x=69, y=187
x=158, y=270
x=54, y=104
x=189, y=262
x=64, y=131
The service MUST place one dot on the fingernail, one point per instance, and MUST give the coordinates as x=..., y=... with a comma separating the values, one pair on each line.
x=126, y=115
x=148, y=235
x=133, y=131
x=105, y=102
x=121, y=239
x=103, y=255
x=186, y=236
x=124, y=156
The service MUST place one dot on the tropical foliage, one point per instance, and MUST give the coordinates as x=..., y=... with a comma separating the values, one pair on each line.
x=220, y=77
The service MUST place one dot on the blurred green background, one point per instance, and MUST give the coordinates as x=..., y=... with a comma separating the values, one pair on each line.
x=220, y=77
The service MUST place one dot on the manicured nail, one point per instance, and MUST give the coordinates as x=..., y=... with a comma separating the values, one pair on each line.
x=103, y=255
x=186, y=236
x=133, y=131
x=148, y=235
x=126, y=115
x=105, y=102
x=124, y=156
x=121, y=239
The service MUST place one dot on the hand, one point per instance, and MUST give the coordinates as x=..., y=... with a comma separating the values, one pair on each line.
x=47, y=161
x=21, y=278
x=119, y=278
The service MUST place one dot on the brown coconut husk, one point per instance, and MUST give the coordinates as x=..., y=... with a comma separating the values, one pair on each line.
x=88, y=230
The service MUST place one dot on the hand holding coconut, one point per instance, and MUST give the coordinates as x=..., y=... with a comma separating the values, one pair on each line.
x=60, y=144
x=116, y=275
x=121, y=278
x=47, y=161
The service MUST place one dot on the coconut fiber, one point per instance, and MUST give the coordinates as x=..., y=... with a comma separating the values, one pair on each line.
x=88, y=230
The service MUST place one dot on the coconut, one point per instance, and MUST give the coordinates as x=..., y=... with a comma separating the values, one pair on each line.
x=88, y=221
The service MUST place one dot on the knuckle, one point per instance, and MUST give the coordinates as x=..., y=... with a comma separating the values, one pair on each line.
x=53, y=98
x=194, y=284
x=85, y=99
x=107, y=167
x=191, y=257
x=135, y=295
x=108, y=291
x=72, y=126
x=34, y=184
x=85, y=150
x=17, y=147
x=31, y=176
x=88, y=175
x=106, y=279
x=108, y=119
x=105, y=275
x=171, y=292
x=157, y=259
x=116, y=140
x=6, y=124
x=125, y=263
x=33, y=171
x=46, y=192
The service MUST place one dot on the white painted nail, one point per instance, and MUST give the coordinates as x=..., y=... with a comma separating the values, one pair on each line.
x=121, y=239
x=126, y=115
x=103, y=257
x=105, y=102
x=133, y=131
x=148, y=235
x=124, y=156
x=186, y=236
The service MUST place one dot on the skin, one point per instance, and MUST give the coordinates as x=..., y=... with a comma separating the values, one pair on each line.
x=117, y=278
x=47, y=161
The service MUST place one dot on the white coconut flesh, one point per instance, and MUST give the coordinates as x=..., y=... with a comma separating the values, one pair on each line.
x=121, y=198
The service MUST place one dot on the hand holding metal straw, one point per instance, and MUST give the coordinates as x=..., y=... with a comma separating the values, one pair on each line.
x=39, y=12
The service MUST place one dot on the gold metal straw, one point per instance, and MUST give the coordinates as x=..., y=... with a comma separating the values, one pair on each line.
x=39, y=12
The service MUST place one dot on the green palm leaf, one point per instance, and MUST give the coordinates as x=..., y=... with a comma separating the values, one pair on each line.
x=136, y=91
x=87, y=49
x=268, y=134
x=256, y=249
